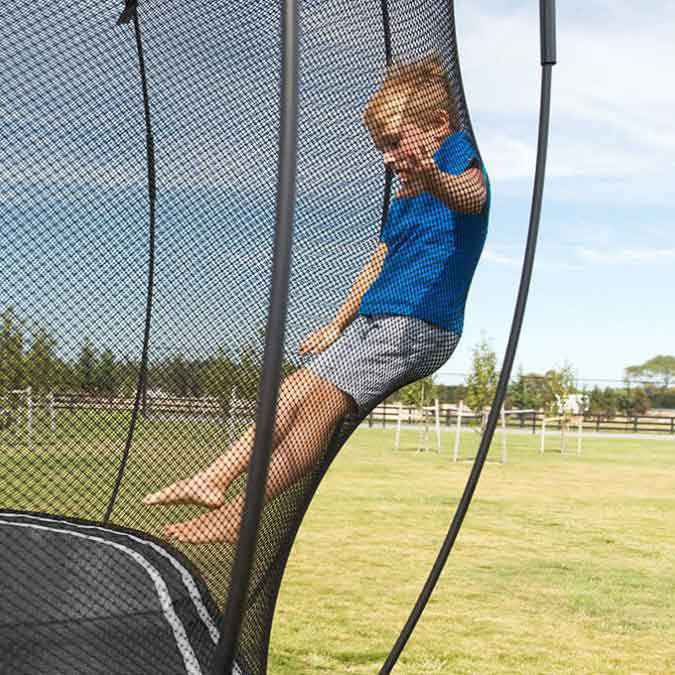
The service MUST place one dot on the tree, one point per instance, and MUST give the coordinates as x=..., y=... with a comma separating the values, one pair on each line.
x=249, y=372
x=529, y=391
x=86, y=368
x=107, y=376
x=127, y=375
x=217, y=379
x=660, y=368
x=179, y=376
x=561, y=383
x=481, y=382
x=603, y=404
x=418, y=393
x=660, y=398
x=42, y=363
x=450, y=393
x=12, y=359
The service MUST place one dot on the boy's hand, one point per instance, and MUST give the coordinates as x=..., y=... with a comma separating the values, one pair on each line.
x=421, y=160
x=319, y=340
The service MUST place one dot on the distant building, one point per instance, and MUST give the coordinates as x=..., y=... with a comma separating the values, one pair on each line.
x=574, y=404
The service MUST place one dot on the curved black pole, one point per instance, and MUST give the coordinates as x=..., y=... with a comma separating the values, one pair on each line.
x=385, y=210
x=547, y=14
x=130, y=13
x=274, y=342
x=388, y=172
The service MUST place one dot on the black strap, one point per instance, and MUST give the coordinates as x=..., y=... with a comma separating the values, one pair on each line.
x=141, y=386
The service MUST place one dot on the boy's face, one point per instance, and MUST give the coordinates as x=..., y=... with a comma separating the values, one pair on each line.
x=402, y=142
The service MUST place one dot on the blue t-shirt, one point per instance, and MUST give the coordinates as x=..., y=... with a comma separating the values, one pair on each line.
x=432, y=250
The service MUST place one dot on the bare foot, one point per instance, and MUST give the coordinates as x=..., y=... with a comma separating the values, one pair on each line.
x=196, y=490
x=219, y=525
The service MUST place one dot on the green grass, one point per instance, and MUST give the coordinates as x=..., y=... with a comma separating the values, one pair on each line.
x=565, y=564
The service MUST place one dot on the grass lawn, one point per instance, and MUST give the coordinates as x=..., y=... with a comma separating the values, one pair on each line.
x=564, y=564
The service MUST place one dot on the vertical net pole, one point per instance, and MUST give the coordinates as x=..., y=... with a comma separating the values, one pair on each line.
x=274, y=342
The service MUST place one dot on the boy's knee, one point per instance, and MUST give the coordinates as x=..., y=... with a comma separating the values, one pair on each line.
x=311, y=390
x=295, y=385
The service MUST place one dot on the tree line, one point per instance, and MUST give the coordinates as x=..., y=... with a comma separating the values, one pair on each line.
x=646, y=386
x=30, y=359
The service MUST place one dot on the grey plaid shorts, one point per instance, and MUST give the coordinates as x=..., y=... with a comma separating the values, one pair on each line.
x=376, y=355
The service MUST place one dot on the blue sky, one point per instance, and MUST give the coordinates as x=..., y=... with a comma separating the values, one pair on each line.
x=601, y=291
x=601, y=294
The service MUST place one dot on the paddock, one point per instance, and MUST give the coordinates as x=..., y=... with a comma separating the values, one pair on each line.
x=571, y=557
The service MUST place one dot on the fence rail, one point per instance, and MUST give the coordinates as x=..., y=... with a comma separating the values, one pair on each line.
x=385, y=415
x=176, y=405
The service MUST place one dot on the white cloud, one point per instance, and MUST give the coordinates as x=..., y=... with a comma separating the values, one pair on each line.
x=542, y=262
x=627, y=256
x=491, y=255
x=611, y=113
x=611, y=125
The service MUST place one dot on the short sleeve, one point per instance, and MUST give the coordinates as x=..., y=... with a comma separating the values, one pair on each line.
x=394, y=223
x=457, y=154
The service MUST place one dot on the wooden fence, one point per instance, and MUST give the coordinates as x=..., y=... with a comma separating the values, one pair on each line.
x=385, y=415
x=164, y=405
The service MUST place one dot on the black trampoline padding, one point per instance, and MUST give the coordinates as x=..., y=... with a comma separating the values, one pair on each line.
x=80, y=598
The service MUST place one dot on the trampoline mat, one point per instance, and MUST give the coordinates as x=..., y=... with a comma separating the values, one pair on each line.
x=77, y=597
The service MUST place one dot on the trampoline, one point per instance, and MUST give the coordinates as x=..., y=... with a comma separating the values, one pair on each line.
x=111, y=600
x=189, y=189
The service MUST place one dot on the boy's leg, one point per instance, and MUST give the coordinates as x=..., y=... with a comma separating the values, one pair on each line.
x=208, y=486
x=323, y=406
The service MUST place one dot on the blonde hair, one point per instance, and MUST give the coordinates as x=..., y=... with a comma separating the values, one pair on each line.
x=426, y=87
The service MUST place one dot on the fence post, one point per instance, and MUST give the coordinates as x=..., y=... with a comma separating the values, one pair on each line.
x=437, y=410
x=457, y=433
x=52, y=414
x=30, y=417
x=543, y=431
x=398, y=425
x=534, y=422
x=503, y=436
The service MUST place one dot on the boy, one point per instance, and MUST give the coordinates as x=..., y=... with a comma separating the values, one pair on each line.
x=404, y=314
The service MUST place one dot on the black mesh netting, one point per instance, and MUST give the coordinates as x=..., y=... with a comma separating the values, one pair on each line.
x=77, y=597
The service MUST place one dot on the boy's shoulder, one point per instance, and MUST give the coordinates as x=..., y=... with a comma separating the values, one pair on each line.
x=456, y=152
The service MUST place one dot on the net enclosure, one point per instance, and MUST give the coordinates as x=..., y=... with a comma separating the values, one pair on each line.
x=143, y=150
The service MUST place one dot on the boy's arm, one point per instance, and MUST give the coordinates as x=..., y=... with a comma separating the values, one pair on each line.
x=464, y=192
x=370, y=272
x=324, y=336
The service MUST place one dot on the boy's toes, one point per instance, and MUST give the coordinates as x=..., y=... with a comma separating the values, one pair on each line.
x=165, y=496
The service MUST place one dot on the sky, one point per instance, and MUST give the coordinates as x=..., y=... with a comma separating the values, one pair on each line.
x=600, y=298
x=602, y=289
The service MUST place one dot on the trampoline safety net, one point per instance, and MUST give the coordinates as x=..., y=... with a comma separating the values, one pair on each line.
x=103, y=568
